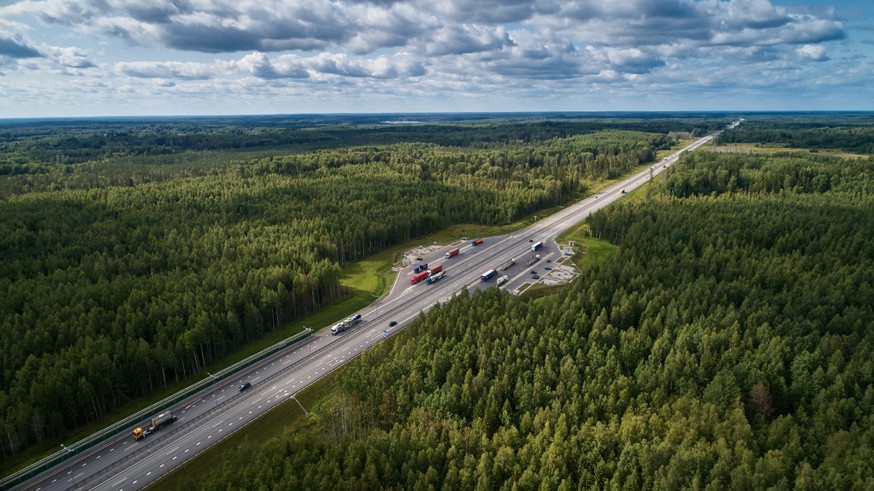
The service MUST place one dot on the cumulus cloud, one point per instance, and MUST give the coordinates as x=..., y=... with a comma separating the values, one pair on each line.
x=446, y=46
x=812, y=52
x=16, y=47
x=168, y=69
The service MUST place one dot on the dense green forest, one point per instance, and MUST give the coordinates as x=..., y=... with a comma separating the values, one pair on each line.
x=850, y=133
x=727, y=345
x=122, y=273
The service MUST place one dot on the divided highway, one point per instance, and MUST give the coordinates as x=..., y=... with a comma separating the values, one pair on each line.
x=123, y=463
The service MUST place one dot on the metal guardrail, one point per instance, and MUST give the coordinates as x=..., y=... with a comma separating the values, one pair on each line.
x=101, y=436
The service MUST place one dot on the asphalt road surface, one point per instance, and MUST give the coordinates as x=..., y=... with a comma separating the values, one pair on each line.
x=122, y=463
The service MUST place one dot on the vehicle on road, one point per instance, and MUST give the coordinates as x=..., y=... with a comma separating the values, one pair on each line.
x=418, y=277
x=245, y=386
x=507, y=266
x=503, y=279
x=536, y=276
x=345, y=324
x=548, y=268
x=488, y=275
x=536, y=246
x=533, y=271
x=155, y=424
x=420, y=268
x=549, y=260
x=623, y=191
x=392, y=324
x=453, y=252
x=476, y=242
x=437, y=277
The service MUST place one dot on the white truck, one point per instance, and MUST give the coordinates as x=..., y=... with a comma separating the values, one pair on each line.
x=345, y=324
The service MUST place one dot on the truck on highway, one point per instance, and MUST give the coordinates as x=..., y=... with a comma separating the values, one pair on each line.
x=507, y=266
x=488, y=275
x=435, y=270
x=533, y=260
x=420, y=267
x=537, y=245
x=503, y=279
x=418, y=277
x=476, y=242
x=437, y=277
x=155, y=424
x=453, y=252
x=345, y=324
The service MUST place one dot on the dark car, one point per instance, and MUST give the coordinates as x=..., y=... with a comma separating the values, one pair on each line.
x=392, y=324
x=245, y=386
x=356, y=317
x=549, y=260
x=533, y=271
x=548, y=268
x=418, y=259
x=536, y=276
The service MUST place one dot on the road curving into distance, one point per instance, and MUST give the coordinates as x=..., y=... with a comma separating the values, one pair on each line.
x=220, y=410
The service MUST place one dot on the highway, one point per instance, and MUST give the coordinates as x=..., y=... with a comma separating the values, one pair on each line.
x=122, y=463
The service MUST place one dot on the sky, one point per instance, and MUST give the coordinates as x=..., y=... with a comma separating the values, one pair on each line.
x=71, y=58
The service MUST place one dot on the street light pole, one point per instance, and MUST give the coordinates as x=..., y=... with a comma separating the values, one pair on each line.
x=70, y=459
x=214, y=394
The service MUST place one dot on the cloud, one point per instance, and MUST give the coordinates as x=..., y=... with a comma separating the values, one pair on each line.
x=166, y=70
x=812, y=52
x=419, y=48
x=457, y=40
x=16, y=47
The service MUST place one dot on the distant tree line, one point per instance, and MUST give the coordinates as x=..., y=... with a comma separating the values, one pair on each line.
x=853, y=134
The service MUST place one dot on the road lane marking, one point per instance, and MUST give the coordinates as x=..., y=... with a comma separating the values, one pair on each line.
x=119, y=482
x=171, y=451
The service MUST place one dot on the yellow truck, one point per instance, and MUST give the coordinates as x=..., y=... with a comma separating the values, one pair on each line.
x=156, y=424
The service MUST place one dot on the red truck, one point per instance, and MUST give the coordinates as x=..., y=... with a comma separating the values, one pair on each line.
x=453, y=252
x=476, y=242
x=435, y=270
x=419, y=277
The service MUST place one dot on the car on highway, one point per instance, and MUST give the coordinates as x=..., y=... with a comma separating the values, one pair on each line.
x=392, y=324
x=623, y=191
x=549, y=260
x=245, y=386
x=535, y=276
x=548, y=268
x=533, y=271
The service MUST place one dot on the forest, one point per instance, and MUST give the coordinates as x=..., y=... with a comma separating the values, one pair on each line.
x=127, y=269
x=727, y=345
